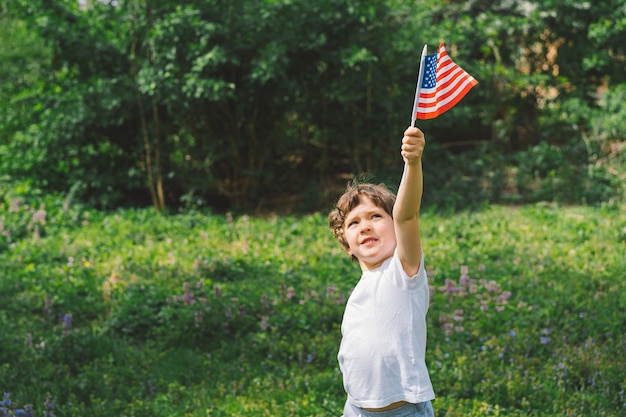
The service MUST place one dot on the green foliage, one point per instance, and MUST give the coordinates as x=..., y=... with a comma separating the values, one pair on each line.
x=23, y=59
x=240, y=105
x=136, y=312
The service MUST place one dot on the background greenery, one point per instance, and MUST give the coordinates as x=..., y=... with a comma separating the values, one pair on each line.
x=216, y=113
x=255, y=105
x=136, y=313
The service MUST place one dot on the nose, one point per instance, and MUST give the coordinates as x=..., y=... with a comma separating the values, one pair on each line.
x=365, y=226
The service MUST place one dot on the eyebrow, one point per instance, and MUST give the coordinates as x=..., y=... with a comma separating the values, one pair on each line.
x=369, y=212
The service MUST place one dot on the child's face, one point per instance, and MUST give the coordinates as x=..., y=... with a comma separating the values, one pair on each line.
x=370, y=234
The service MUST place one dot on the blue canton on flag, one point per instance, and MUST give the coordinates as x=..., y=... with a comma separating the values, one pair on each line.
x=430, y=71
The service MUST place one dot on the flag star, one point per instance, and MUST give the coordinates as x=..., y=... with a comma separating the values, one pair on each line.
x=430, y=71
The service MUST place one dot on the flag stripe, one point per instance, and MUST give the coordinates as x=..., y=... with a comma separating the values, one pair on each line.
x=444, y=84
x=452, y=91
x=447, y=88
x=436, y=109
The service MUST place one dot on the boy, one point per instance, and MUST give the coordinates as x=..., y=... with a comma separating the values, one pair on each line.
x=383, y=344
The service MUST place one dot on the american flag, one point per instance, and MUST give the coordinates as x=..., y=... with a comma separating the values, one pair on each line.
x=443, y=85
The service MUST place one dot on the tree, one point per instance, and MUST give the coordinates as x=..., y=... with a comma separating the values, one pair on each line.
x=23, y=58
x=242, y=104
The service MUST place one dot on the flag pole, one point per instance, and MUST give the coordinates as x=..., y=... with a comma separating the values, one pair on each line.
x=420, y=75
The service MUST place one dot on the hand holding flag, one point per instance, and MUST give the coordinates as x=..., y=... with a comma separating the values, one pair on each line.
x=441, y=85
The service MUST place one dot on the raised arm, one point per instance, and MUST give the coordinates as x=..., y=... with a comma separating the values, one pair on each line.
x=407, y=207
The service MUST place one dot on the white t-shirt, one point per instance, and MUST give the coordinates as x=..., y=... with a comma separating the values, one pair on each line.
x=383, y=347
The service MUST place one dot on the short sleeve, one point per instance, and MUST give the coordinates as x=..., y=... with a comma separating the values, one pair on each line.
x=400, y=278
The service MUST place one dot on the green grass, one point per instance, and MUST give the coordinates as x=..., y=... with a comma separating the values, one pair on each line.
x=196, y=314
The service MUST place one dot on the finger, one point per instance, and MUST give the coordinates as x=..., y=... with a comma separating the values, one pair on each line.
x=413, y=131
x=412, y=143
x=410, y=147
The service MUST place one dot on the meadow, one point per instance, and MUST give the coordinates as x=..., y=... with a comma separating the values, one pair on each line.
x=136, y=313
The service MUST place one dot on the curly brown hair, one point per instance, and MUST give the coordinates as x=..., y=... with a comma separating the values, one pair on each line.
x=379, y=194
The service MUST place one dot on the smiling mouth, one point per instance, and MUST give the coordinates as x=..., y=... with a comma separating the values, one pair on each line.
x=368, y=240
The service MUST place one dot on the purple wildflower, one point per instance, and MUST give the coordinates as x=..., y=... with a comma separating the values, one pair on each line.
x=504, y=296
x=27, y=412
x=67, y=321
x=39, y=216
x=263, y=325
x=330, y=290
x=188, y=297
x=49, y=408
x=464, y=280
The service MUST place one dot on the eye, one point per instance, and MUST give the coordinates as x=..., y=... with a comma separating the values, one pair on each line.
x=353, y=223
